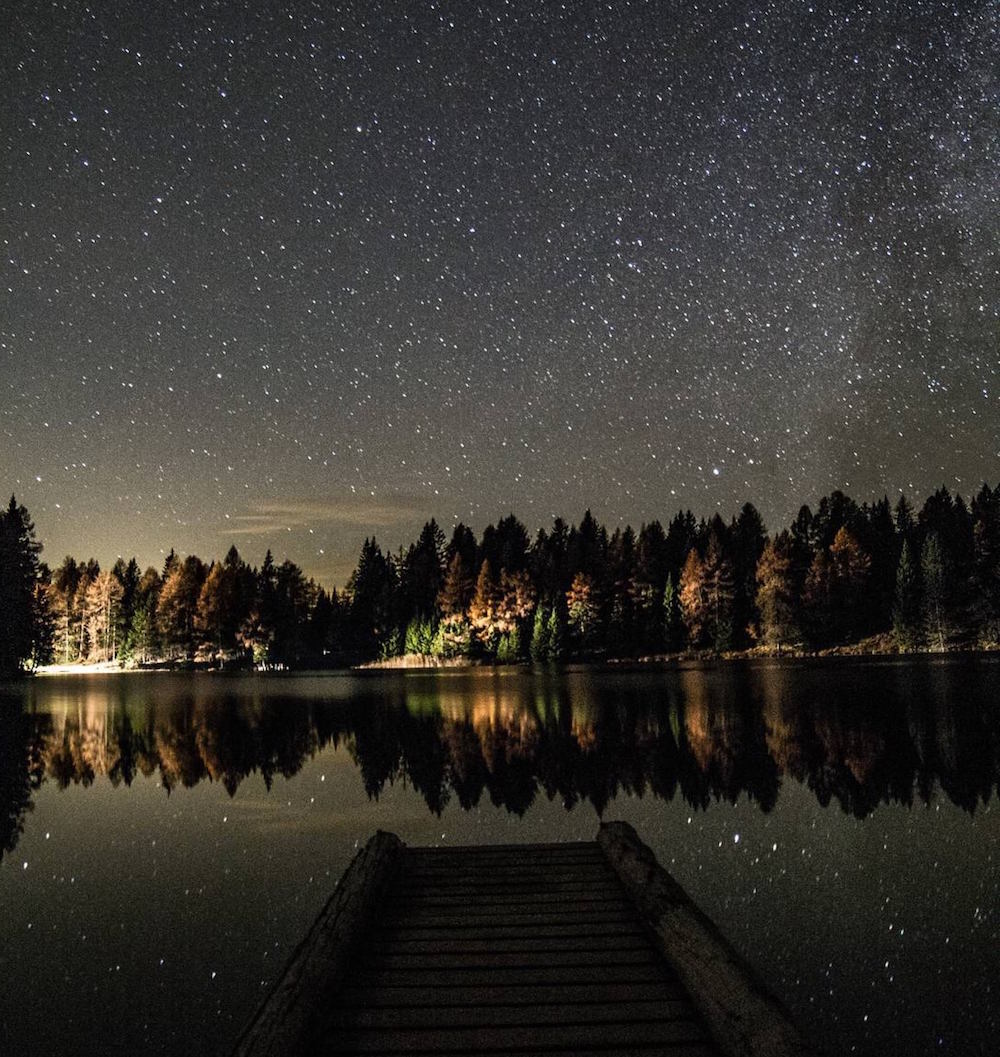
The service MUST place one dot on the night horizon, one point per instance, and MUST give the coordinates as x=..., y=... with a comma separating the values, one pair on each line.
x=287, y=282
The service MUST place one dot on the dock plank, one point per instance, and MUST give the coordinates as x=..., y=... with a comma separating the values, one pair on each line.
x=398, y=943
x=520, y=976
x=484, y=958
x=518, y=996
x=496, y=1038
x=521, y=1014
x=493, y=931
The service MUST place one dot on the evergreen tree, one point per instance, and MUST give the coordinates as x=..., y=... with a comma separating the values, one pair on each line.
x=419, y=636
x=693, y=598
x=818, y=600
x=178, y=606
x=540, y=648
x=777, y=596
x=719, y=592
x=516, y=600
x=906, y=610
x=422, y=573
x=371, y=588
x=748, y=537
x=509, y=648
x=24, y=628
x=458, y=587
x=582, y=612
x=673, y=622
x=986, y=563
x=65, y=582
x=935, y=600
x=484, y=607
x=556, y=633
x=851, y=568
x=903, y=518
x=681, y=537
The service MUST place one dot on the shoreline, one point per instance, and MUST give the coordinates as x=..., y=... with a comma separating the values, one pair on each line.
x=426, y=662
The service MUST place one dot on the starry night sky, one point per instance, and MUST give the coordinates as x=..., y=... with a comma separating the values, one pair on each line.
x=284, y=275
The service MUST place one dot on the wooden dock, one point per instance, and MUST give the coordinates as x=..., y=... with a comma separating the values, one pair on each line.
x=586, y=948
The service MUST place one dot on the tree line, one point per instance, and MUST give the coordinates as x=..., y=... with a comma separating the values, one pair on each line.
x=838, y=575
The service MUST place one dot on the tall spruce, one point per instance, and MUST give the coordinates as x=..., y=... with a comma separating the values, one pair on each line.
x=23, y=623
x=935, y=599
x=777, y=594
x=906, y=609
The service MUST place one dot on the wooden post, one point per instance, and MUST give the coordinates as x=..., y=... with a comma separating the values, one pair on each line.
x=745, y=1019
x=293, y=1012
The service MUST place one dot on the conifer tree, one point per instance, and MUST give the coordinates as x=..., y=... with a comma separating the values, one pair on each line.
x=850, y=567
x=582, y=611
x=693, y=599
x=776, y=593
x=556, y=633
x=935, y=599
x=986, y=563
x=906, y=610
x=673, y=623
x=483, y=609
x=720, y=594
x=456, y=591
x=540, y=644
x=24, y=638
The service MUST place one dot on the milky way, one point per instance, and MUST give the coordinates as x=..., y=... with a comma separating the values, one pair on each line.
x=288, y=274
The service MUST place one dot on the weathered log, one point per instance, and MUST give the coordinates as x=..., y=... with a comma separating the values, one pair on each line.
x=745, y=1019
x=294, y=1012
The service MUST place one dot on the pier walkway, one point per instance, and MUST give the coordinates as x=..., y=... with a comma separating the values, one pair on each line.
x=587, y=948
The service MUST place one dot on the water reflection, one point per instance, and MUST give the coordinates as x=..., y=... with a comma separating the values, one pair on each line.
x=875, y=734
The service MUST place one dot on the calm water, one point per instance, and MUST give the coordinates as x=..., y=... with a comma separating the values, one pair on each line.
x=167, y=839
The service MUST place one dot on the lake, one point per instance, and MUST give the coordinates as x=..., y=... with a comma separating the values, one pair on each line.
x=167, y=838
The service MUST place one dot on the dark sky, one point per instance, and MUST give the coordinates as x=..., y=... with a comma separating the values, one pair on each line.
x=286, y=274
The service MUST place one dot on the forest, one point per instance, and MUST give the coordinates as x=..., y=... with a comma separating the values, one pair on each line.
x=875, y=576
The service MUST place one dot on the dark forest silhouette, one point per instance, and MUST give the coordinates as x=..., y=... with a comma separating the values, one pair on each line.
x=839, y=575
x=882, y=734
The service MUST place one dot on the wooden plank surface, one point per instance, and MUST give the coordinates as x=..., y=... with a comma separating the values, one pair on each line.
x=512, y=949
x=519, y=1014
x=532, y=1037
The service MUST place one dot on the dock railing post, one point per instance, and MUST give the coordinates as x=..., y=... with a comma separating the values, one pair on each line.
x=292, y=1013
x=745, y=1019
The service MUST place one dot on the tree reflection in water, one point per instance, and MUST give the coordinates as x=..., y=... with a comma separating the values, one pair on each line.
x=872, y=735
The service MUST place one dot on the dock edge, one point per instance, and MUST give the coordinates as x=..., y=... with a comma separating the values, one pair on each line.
x=745, y=1019
x=291, y=1013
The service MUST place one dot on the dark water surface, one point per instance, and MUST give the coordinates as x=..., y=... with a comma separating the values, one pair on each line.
x=166, y=839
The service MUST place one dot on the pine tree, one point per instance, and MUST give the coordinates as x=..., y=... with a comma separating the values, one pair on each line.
x=582, y=611
x=178, y=605
x=777, y=600
x=906, y=610
x=720, y=594
x=556, y=631
x=986, y=563
x=23, y=624
x=419, y=636
x=935, y=578
x=673, y=624
x=693, y=600
x=456, y=591
x=851, y=570
x=540, y=644
x=748, y=538
x=817, y=599
x=483, y=609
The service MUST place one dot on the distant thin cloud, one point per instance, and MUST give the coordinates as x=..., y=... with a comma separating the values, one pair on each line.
x=266, y=519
